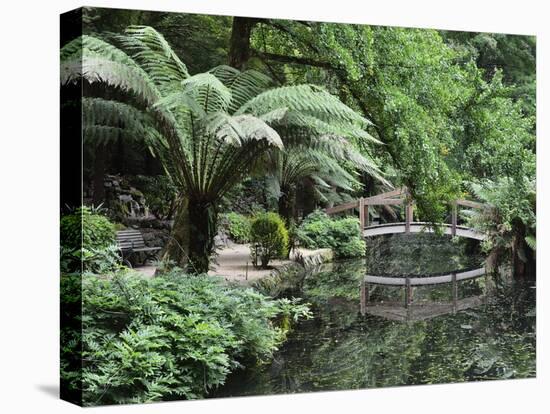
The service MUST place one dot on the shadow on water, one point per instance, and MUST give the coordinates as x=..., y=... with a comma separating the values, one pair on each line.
x=475, y=329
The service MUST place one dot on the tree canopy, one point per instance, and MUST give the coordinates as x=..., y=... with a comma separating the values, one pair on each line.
x=438, y=111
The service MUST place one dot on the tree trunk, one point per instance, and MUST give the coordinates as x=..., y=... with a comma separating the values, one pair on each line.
x=99, y=174
x=203, y=227
x=177, y=247
x=286, y=205
x=523, y=258
x=309, y=198
x=239, y=43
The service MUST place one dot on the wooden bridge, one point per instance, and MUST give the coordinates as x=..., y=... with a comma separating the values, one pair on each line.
x=401, y=196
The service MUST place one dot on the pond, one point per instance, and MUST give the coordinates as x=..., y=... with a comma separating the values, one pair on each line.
x=342, y=349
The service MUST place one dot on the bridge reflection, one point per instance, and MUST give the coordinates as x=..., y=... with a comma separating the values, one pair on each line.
x=410, y=309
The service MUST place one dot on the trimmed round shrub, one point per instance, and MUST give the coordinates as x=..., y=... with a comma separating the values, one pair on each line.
x=269, y=237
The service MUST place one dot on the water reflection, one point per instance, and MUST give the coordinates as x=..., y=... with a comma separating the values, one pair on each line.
x=474, y=329
x=416, y=306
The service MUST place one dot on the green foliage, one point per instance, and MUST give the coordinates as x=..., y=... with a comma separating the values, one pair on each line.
x=88, y=242
x=170, y=337
x=510, y=218
x=101, y=261
x=85, y=228
x=160, y=194
x=343, y=236
x=514, y=55
x=238, y=226
x=269, y=237
x=208, y=129
x=70, y=337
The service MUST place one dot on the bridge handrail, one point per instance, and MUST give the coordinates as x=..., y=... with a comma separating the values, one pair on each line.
x=424, y=280
x=396, y=197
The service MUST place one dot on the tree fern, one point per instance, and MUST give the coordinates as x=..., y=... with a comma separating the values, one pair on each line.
x=212, y=129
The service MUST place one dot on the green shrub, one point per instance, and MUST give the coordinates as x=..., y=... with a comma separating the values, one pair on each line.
x=88, y=241
x=170, y=337
x=99, y=261
x=237, y=226
x=343, y=236
x=315, y=231
x=269, y=236
x=85, y=228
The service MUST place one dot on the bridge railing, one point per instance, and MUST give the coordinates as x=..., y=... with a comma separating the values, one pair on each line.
x=398, y=196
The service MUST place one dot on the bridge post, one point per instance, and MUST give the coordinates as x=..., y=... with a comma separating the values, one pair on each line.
x=362, y=213
x=364, y=297
x=408, y=292
x=408, y=217
x=454, y=218
x=455, y=292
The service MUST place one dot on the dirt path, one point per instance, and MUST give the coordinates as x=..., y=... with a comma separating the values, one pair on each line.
x=234, y=263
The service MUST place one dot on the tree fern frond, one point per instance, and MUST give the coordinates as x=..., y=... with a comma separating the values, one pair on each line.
x=255, y=129
x=151, y=50
x=202, y=93
x=225, y=127
x=100, y=61
x=305, y=99
x=99, y=111
x=101, y=135
x=243, y=85
x=274, y=116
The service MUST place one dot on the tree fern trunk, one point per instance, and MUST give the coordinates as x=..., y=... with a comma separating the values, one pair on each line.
x=99, y=173
x=177, y=247
x=203, y=228
x=286, y=205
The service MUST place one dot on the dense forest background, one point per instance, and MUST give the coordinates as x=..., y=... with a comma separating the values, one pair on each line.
x=454, y=112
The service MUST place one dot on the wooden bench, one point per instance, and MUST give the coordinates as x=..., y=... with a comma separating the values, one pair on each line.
x=130, y=243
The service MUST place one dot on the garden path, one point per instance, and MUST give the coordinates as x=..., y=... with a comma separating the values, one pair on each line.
x=231, y=263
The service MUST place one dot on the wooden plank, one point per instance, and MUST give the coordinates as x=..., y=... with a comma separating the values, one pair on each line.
x=393, y=193
x=367, y=219
x=454, y=287
x=362, y=213
x=454, y=219
x=408, y=217
x=424, y=280
x=468, y=203
x=419, y=227
x=342, y=207
x=363, y=298
x=408, y=292
x=384, y=202
x=147, y=249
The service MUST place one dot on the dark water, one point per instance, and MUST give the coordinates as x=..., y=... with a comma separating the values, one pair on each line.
x=494, y=338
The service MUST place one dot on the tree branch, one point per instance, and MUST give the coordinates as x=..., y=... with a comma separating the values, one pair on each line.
x=297, y=60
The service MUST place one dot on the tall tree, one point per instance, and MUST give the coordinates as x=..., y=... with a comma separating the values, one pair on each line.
x=239, y=44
